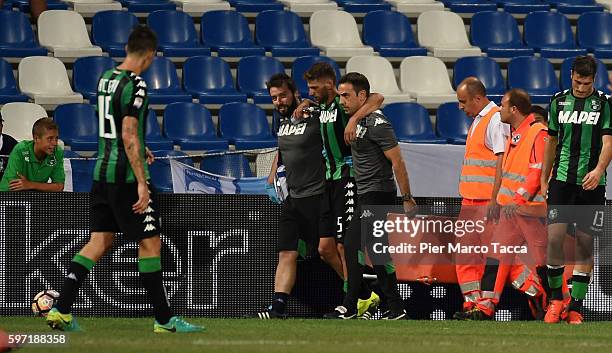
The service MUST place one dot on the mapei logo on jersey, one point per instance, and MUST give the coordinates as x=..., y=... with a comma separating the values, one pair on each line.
x=290, y=129
x=574, y=117
x=328, y=116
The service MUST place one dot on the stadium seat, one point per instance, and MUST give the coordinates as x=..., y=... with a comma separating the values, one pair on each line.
x=24, y=5
x=535, y=75
x=82, y=171
x=390, y=34
x=426, y=78
x=145, y=6
x=411, y=123
x=309, y=6
x=523, y=6
x=231, y=165
x=282, y=33
x=113, y=42
x=363, y=6
x=19, y=118
x=153, y=136
x=594, y=33
x=163, y=85
x=198, y=7
x=176, y=34
x=191, y=127
x=209, y=78
x=443, y=34
x=8, y=86
x=160, y=171
x=16, y=36
x=86, y=72
x=497, y=34
x=253, y=72
x=64, y=33
x=302, y=64
x=89, y=7
x=78, y=126
x=380, y=74
x=471, y=6
x=416, y=6
x=550, y=34
x=227, y=32
x=246, y=126
x=487, y=71
x=45, y=80
x=602, y=79
x=573, y=7
x=255, y=5
x=337, y=34
x=452, y=123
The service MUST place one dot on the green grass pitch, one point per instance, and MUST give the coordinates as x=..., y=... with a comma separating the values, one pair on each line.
x=235, y=335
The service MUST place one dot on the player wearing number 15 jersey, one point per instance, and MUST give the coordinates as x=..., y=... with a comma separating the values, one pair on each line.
x=121, y=198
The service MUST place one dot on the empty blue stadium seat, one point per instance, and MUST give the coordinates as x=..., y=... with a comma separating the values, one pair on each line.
x=486, y=69
x=535, y=75
x=550, y=34
x=163, y=85
x=363, y=6
x=24, y=5
x=471, y=6
x=82, y=171
x=302, y=64
x=176, y=34
x=153, y=136
x=253, y=73
x=112, y=41
x=209, y=78
x=8, y=85
x=390, y=34
x=282, y=33
x=231, y=165
x=411, y=123
x=602, y=80
x=190, y=126
x=78, y=126
x=16, y=36
x=246, y=126
x=452, y=123
x=575, y=6
x=497, y=34
x=255, y=5
x=87, y=71
x=227, y=32
x=161, y=174
x=144, y=6
x=523, y=6
x=594, y=32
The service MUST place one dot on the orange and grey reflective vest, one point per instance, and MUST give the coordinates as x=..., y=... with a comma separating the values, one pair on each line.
x=516, y=167
x=478, y=171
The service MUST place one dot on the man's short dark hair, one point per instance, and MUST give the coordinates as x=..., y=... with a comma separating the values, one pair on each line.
x=141, y=40
x=359, y=82
x=42, y=125
x=536, y=109
x=585, y=66
x=474, y=86
x=320, y=70
x=281, y=80
x=519, y=99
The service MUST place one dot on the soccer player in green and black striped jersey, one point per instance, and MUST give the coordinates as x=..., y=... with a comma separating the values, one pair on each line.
x=121, y=197
x=340, y=189
x=580, y=145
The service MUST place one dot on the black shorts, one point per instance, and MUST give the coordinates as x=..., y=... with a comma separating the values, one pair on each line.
x=337, y=208
x=569, y=203
x=299, y=219
x=111, y=211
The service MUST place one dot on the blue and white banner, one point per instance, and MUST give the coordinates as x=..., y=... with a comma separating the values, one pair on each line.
x=187, y=179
